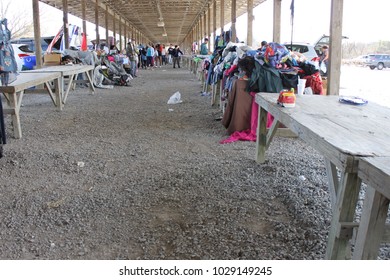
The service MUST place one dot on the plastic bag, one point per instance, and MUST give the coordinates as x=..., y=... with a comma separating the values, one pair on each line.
x=175, y=98
x=308, y=91
x=323, y=67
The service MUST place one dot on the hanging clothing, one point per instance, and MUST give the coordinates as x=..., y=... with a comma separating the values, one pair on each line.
x=265, y=79
x=7, y=58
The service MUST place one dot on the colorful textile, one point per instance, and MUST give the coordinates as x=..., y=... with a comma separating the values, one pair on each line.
x=249, y=134
x=275, y=53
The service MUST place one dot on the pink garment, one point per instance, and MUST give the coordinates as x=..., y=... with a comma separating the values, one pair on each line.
x=231, y=69
x=249, y=134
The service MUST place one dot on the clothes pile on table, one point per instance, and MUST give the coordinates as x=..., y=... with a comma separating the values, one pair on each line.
x=271, y=68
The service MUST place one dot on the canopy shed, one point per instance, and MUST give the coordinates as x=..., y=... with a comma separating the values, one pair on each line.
x=165, y=21
x=185, y=21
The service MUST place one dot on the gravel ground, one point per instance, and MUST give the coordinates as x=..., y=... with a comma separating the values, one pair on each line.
x=117, y=175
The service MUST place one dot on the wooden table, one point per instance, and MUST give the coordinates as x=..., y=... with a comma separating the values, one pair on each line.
x=25, y=80
x=353, y=140
x=72, y=72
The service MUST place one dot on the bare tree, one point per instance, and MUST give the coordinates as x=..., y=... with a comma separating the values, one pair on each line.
x=20, y=23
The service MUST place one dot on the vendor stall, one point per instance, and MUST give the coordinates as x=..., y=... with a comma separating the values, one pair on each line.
x=272, y=68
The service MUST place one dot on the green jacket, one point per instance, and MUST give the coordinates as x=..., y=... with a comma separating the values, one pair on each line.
x=265, y=79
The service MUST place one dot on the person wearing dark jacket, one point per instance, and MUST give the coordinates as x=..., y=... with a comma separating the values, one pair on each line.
x=176, y=53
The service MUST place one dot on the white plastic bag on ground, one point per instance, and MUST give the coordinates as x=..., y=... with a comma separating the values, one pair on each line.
x=175, y=98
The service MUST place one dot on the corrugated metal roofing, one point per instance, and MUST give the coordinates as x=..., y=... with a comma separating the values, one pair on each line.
x=179, y=16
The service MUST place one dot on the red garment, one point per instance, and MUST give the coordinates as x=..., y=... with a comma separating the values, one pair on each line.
x=230, y=70
x=315, y=82
x=84, y=42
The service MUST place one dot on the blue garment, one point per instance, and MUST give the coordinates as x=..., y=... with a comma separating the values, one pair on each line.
x=150, y=52
x=203, y=49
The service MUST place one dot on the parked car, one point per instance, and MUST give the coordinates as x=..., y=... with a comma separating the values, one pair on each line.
x=324, y=40
x=45, y=41
x=360, y=60
x=21, y=51
x=378, y=61
x=303, y=48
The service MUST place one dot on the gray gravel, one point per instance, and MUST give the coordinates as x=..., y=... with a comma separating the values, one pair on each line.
x=117, y=175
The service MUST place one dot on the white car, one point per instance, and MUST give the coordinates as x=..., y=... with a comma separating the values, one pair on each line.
x=21, y=51
x=303, y=48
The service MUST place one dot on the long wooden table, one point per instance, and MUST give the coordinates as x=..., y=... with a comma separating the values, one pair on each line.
x=71, y=72
x=353, y=140
x=25, y=80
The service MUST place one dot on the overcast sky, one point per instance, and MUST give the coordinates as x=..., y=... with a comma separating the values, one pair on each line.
x=363, y=21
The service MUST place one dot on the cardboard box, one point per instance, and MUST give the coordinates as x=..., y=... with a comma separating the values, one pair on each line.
x=50, y=59
x=324, y=85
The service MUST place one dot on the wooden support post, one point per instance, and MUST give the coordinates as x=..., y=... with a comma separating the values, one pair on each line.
x=204, y=25
x=209, y=27
x=234, y=19
x=120, y=33
x=106, y=22
x=222, y=15
x=336, y=24
x=113, y=28
x=214, y=24
x=277, y=20
x=125, y=35
x=37, y=33
x=97, y=22
x=249, y=35
x=83, y=17
x=65, y=23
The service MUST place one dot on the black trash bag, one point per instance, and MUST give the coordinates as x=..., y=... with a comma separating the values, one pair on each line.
x=289, y=80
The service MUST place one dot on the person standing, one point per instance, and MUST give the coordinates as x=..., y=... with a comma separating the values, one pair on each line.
x=170, y=54
x=204, y=50
x=143, y=58
x=158, y=55
x=149, y=56
x=163, y=55
x=132, y=54
x=176, y=56
x=324, y=58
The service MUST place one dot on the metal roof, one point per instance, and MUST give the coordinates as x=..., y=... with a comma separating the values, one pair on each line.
x=179, y=16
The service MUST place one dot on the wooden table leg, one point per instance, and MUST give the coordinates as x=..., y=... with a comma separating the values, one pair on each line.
x=58, y=87
x=15, y=101
x=89, y=77
x=333, y=181
x=261, y=139
x=372, y=225
x=344, y=212
x=66, y=92
x=55, y=96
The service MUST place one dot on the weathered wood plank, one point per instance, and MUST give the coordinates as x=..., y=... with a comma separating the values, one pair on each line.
x=375, y=171
x=27, y=80
x=372, y=225
x=348, y=228
x=285, y=132
x=333, y=125
x=338, y=244
x=333, y=181
x=261, y=141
